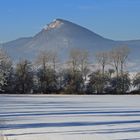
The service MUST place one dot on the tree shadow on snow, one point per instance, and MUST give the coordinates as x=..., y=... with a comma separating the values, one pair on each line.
x=66, y=124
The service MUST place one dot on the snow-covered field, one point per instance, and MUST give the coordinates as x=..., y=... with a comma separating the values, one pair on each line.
x=70, y=117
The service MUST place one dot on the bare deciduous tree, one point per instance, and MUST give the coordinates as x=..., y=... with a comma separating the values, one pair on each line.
x=79, y=60
x=54, y=59
x=102, y=59
x=47, y=59
x=115, y=59
x=47, y=76
x=74, y=59
x=43, y=59
x=124, y=52
x=79, y=65
x=118, y=57
x=24, y=77
x=83, y=62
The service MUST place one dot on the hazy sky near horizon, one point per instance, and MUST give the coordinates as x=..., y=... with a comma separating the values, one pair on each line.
x=114, y=19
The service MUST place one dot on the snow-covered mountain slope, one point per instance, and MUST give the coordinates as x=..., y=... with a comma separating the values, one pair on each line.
x=62, y=35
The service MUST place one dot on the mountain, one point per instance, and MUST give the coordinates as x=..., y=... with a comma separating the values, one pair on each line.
x=62, y=35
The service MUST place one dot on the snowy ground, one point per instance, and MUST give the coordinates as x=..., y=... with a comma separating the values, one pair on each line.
x=70, y=117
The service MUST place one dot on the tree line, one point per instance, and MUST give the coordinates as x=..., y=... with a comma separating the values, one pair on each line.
x=47, y=75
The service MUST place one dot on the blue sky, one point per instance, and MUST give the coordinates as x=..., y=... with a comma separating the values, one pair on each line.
x=114, y=19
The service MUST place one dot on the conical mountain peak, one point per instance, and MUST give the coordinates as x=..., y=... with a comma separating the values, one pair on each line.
x=63, y=35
